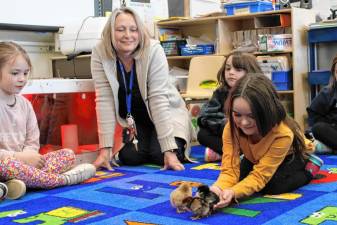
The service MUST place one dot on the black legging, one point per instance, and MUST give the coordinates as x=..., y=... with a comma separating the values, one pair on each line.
x=289, y=176
x=208, y=139
x=325, y=133
x=149, y=150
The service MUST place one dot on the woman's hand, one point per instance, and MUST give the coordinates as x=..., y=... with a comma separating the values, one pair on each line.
x=31, y=157
x=226, y=196
x=171, y=161
x=103, y=159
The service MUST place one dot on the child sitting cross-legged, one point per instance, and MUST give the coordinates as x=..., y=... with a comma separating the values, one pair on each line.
x=19, y=133
x=323, y=115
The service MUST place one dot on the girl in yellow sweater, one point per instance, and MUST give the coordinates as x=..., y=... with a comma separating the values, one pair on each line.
x=275, y=153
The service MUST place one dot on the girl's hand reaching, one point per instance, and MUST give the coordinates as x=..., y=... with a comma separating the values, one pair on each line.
x=31, y=157
x=226, y=196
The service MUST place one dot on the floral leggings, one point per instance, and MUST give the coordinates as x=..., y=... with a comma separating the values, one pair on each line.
x=49, y=176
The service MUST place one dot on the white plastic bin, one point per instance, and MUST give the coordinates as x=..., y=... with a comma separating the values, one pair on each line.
x=81, y=37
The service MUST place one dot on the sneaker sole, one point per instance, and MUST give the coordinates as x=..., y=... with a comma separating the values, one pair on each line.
x=16, y=189
x=211, y=156
x=4, y=189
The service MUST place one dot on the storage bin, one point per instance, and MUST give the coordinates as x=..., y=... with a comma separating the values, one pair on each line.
x=282, y=80
x=279, y=42
x=170, y=34
x=197, y=49
x=275, y=42
x=247, y=7
x=269, y=64
x=283, y=86
x=172, y=48
x=319, y=77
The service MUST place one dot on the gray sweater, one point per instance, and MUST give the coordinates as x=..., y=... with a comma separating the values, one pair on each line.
x=164, y=104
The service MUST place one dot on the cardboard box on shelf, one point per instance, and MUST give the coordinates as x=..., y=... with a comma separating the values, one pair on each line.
x=275, y=42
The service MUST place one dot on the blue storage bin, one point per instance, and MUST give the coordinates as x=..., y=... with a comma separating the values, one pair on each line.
x=247, y=7
x=319, y=77
x=282, y=80
x=283, y=86
x=197, y=50
x=172, y=47
x=281, y=76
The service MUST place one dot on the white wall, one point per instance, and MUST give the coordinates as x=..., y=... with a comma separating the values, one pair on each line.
x=322, y=7
x=201, y=7
x=333, y=2
x=148, y=12
x=45, y=12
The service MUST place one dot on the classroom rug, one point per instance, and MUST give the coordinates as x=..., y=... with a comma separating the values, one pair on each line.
x=140, y=196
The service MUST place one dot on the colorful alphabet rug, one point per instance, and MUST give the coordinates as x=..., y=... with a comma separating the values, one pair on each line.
x=140, y=196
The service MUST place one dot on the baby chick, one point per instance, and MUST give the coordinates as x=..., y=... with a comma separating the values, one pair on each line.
x=198, y=206
x=209, y=196
x=178, y=195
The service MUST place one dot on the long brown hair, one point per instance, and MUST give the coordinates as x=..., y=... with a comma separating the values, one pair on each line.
x=9, y=51
x=267, y=109
x=240, y=60
x=332, y=82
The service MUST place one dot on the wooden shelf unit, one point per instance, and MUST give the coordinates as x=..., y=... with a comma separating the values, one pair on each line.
x=220, y=28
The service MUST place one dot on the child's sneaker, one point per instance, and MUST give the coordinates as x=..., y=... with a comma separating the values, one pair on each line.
x=80, y=173
x=3, y=191
x=314, y=164
x=211, y=156
x=16, y=189
x=321, y=148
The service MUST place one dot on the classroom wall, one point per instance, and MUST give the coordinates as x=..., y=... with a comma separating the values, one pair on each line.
x=45, y=12
x=59, y=12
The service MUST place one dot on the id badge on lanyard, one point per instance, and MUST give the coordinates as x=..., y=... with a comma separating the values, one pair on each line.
x=130, y=132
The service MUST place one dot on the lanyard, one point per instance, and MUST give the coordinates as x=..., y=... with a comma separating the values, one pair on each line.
x=128, y=92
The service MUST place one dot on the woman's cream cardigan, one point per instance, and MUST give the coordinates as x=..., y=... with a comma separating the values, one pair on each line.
x=164, y=104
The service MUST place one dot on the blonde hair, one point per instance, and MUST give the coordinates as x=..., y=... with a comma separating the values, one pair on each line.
x=108, y=33
x=9, y=51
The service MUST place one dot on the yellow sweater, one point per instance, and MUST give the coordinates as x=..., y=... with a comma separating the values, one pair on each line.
x=266, y=155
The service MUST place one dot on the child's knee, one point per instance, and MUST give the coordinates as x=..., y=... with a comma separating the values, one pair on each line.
x=6, y=162
x=68, y=153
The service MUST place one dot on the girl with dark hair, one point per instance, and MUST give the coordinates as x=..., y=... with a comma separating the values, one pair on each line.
x=276, y=156
x=212, y=116
x=323, y=115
